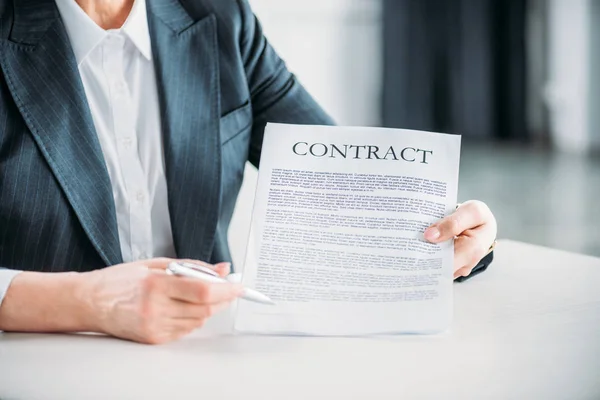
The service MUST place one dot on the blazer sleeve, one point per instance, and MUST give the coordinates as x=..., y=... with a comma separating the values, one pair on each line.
x=275, y=93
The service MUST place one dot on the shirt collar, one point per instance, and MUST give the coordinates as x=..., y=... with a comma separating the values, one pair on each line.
x=136, y=28
x=85, y=35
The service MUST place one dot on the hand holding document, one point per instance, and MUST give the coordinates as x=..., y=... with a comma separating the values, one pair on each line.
x=337, y=232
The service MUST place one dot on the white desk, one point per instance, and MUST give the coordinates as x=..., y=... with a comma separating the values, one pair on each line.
x=528, y=328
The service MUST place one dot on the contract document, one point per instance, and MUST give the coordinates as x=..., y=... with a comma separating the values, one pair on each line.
x=336, y=239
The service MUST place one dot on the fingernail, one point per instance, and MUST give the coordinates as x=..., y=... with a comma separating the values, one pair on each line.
x=224, y=264
x=432, y=233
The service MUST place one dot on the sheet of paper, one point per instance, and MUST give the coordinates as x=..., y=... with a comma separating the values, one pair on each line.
x=337, y=232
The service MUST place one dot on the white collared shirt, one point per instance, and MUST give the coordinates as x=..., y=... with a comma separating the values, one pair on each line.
x=118, y=76
x=117, y=72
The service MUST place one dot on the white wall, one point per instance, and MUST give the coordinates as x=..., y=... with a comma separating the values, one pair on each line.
x=594, y=92
x=334, y=47
x=573, y=87
x=537, y=67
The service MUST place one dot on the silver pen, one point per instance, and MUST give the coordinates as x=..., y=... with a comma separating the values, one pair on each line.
x=208, y=275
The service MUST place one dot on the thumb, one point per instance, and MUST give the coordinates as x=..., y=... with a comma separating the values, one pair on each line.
x=158, y=263
x=222, y=268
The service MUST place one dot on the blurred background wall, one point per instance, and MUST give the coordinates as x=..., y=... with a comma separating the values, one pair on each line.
x=519, y=79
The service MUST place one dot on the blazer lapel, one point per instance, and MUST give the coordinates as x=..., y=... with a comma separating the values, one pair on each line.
x=186, y=61
x=42, y=75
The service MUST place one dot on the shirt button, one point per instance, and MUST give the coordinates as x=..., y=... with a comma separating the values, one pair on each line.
x=127, y=142
x=143, y=256
x=139, y=196
x=114, y=38
x=120, y=89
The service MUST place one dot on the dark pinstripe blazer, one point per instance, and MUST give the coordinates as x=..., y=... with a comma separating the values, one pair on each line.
x=219, y=83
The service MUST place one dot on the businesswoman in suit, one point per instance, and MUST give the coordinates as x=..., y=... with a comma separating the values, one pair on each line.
x=124, y=129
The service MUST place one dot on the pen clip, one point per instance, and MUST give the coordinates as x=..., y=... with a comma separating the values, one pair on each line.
x=199, y=268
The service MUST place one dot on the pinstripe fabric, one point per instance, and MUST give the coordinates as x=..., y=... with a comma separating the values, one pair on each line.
x=219, y=82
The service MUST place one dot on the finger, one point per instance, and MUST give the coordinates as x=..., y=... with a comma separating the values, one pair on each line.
x=160, y=263
x=462, y=272
x=468, y=251
x=223, y=268
x=200, y=292
x=470, y=215
x=179, y=331
x=175, y=329
x=183, y=326
x=184, y=310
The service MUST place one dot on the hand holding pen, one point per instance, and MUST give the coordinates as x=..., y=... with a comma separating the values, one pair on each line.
x=141, y=301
